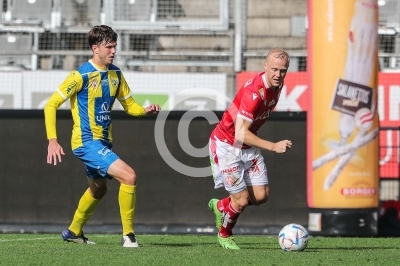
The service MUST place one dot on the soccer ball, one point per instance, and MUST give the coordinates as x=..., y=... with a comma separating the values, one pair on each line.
x=293, y=237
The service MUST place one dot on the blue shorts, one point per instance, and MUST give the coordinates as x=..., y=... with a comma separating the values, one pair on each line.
x=97, y=157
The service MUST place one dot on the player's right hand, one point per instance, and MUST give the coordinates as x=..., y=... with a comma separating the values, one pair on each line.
x=282, y=146
x=54, y=152
x=153, y=109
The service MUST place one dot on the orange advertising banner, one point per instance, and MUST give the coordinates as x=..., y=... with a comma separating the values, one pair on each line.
x=343, y=125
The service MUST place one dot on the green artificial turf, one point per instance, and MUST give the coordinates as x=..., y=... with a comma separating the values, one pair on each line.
x=49, y=249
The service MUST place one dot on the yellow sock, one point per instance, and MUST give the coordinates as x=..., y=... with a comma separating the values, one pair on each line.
x=85, y=209
x=127, y=201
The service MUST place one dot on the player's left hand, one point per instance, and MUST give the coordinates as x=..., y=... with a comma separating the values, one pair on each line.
x=282, y=146
x=152, y=109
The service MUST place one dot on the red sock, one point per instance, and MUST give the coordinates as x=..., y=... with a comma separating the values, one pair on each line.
x=230, y=216
x=221, y=204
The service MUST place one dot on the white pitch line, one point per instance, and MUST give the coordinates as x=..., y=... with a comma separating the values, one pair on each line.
x=39, y=238
x=27, y=239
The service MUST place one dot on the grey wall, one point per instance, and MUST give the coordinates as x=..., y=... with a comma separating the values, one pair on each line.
x=33, y=192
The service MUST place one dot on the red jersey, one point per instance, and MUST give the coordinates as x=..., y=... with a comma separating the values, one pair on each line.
x=254, y=102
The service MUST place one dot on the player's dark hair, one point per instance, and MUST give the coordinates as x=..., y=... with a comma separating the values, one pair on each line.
x=279, y=53
x=101, y=34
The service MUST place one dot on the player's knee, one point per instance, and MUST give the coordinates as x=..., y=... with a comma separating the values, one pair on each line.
x=260, y=198
x=241, y=203
x=99, y=192
x=130, y=178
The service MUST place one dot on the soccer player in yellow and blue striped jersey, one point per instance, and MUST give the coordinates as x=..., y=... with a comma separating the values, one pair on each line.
x=92, y=90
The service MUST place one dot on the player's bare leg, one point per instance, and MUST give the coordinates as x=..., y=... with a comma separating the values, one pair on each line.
x=258, y=194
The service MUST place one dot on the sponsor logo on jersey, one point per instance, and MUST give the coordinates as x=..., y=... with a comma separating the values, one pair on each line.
x=271, y=102
x=264, y=115
x=104, y=151
x=105, y=108
x=104, y=114
x=230, y=170
x=247, y=114
x=73, y=84
x=248, y=82
x=254, y=167
x=104, y=82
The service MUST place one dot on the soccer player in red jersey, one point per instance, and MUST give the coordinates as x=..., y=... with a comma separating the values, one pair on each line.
x=235, y=148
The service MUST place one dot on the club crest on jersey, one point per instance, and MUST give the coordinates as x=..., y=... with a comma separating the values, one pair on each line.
x=254, y=96
x=261, y=91
x=114, y=82
x=231, y=180
x=262, y=95
x=94, y=84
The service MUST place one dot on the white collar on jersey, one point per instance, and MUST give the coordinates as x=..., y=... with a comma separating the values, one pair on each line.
x=265, y=81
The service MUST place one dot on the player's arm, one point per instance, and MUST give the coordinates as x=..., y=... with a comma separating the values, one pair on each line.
x=244, y=135
x=129, y=104
x=131, y=107
x=69, y=87
x=54, y=150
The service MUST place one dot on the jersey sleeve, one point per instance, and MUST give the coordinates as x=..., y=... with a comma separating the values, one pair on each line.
x=71, y=85
x=124, y=96
x=248, y=106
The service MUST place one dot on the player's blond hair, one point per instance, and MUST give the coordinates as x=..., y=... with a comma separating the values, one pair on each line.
x=279, y=53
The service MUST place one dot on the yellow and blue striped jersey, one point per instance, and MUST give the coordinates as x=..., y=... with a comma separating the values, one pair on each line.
x=92, y=92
